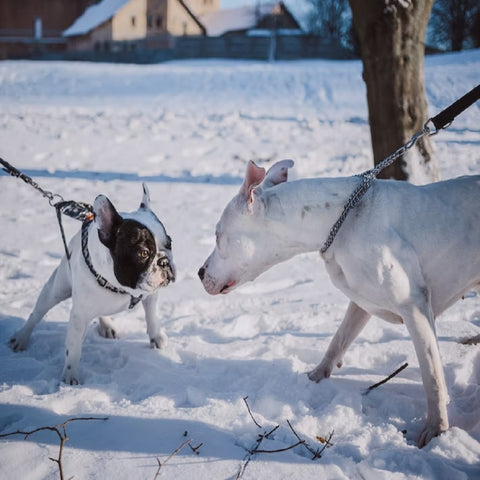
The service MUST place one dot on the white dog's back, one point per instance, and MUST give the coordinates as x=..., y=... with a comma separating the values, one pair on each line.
x=439, y=223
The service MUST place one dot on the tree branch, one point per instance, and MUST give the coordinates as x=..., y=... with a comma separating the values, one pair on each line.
x=61, y=432
x=318, y=452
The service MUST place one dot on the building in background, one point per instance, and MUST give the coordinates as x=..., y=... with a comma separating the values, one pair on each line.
x=272, y=16
x=29, y=27
x=115, y=25
x=148, y=31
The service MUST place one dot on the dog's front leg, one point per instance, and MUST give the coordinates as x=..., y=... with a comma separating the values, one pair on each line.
x=158, y=337
x=420, y=325
x=76, y=330
x=355, y=319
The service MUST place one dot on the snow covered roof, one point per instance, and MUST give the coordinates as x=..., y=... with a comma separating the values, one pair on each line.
x=94, y=16
x=234, y=19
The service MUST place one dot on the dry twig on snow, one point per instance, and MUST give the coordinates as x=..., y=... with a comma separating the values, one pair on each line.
x=316, y=453
x=160, y=464
x=61, y=432
x=385, y=380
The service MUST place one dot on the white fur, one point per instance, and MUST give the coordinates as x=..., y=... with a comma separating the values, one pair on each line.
x=404, y=254
x=89, y=299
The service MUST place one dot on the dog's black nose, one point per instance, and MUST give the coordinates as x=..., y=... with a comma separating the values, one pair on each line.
x=201, y=273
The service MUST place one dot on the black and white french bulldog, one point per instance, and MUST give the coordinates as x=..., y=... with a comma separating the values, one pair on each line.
x=116, y=261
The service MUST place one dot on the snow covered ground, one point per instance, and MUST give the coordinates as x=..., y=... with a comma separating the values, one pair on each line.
x=188, y=130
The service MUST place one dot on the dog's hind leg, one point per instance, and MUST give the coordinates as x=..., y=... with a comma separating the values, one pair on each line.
x=476, y=339
x=106, y=328
x=355, y=319
x=57, y=289
x=419, y=320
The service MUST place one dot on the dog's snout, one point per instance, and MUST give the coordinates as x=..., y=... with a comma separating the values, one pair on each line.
x=201, y=273
x=167, y=269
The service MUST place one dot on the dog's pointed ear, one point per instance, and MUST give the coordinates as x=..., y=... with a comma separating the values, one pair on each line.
x=253, y=177
x=277, y=173
x=145, y=205
x=107, y=219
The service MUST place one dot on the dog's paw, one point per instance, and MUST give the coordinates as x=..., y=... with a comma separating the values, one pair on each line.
x=106, y=329
x=70, y=380
x=69, y=375
x=19, y=342
x=430, y=431
x=320, y=372
x=160, y=341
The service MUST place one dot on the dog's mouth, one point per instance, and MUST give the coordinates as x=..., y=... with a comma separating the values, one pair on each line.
x=228, y=287
x=163, y=277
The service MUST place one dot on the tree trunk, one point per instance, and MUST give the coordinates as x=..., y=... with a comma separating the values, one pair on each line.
x=392, y=42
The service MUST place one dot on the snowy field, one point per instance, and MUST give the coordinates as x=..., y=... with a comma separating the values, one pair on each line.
x=188, y=130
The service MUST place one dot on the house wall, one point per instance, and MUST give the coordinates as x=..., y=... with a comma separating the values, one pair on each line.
x=17, y=19
x=179, y=22
x=200, y=7
x=130, y=22
x=156, y=17
x=98, y=39
x=56, y=15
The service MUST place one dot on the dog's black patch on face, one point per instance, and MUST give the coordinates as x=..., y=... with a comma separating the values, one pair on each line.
x=133, y=252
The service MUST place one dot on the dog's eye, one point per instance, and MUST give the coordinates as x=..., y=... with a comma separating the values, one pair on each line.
x=144, y=253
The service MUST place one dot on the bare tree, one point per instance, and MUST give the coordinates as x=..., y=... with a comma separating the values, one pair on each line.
x=328, y=18
x=475, y=30
x=392, y=44
x=452, y=21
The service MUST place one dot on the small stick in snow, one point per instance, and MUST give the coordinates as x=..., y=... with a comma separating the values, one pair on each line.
x=300, y=442
x=61, y=431
x=385, y=380
x=250, y=412
x=196, y=449
x=160, y=464
x=318, y=452
x=256, y=449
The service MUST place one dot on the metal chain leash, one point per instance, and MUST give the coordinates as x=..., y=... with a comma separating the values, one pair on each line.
x=440, y=121
x=368, y=178
x=14, y=172
x=77, y=210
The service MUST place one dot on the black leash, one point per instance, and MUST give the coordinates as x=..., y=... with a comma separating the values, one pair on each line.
x=77, y=210
x=440, y=121
x=447, y=116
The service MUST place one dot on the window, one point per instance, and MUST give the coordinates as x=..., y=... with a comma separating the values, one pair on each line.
x=133, y=21
x=159, y=21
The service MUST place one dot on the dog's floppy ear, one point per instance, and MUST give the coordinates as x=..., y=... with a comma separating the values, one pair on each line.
x=277, y=173
x=107, y=220
x=145, y=205
x=253, y=177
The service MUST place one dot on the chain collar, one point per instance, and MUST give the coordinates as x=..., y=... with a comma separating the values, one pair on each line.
x=102, y=281
x=367, y=178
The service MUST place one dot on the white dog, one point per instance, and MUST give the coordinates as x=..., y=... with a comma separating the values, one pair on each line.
x=116, y=261
x=404, y=253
